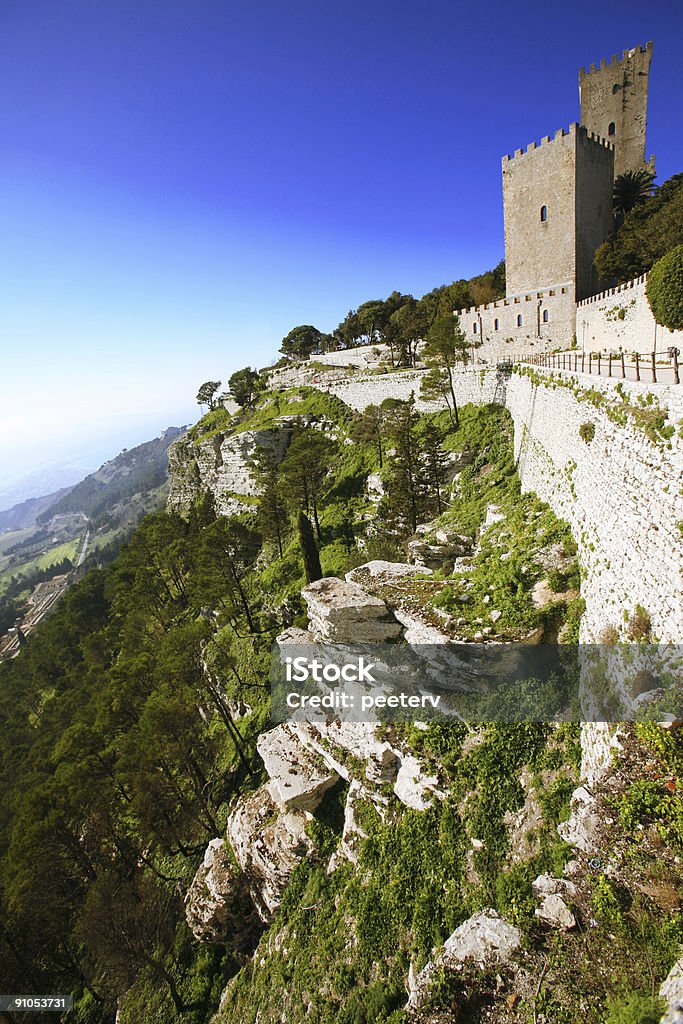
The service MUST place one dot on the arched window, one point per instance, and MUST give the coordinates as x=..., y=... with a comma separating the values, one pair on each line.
x=544, y=214
x=545, y=316
x=519, y=319
x=611, y=128
x=496, y=324
x=474, y=328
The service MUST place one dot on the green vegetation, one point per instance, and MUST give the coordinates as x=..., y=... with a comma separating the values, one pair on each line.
x=665, y=289
x=587, y=432
x=651, y=229
x=399, y=321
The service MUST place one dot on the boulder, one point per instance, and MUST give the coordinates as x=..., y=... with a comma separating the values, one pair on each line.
x=353, y=831
x=547, y=885
x=484, y=938
x=554, y=911
x=298, y=778
x=342, y=612
x=340, y=744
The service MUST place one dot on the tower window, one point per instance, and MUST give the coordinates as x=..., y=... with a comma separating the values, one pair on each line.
x=496, y=324
x=611, y=128
x=474, y=328
x=545, y=316
x=544, y=214
x=519, y=319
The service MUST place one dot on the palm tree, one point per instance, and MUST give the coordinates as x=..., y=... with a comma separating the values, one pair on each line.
x=631, y=189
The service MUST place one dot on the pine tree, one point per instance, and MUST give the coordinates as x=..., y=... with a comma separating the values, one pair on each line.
x=309, y=551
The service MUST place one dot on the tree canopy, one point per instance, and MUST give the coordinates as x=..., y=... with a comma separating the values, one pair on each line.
x=665, y=289
x=648, y=231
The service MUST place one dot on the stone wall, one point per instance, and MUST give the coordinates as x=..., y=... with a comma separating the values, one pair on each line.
x=621, y=318
x=471, y=385
x=620, y=493
x=496, y=324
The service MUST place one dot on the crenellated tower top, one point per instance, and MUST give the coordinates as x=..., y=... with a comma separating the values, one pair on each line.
x=614, y=99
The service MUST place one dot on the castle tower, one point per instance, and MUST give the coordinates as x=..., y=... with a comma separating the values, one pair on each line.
x=614, y=105
x=557, y=200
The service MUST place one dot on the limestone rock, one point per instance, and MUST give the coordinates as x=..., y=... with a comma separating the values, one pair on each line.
x=546, y=885
x=554, y=911
x=353, y=831
x=671, y=992
x=414, y=787
x=217, y=904
x=381, y=573
x=339, y=744
x=298, y=779
x=581, y=828
x=220, y=464
x=483, y=938
x=268, y=844
x=342, y=612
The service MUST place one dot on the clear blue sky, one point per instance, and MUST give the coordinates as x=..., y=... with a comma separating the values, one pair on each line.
x=183, y=182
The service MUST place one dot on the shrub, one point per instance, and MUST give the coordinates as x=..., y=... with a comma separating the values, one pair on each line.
x=634, y=1008
x=609, y=636
x=665, y=289
x=640, y=625
x=587, y=432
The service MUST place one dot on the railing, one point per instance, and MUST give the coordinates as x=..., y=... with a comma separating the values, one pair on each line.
x=639, y=367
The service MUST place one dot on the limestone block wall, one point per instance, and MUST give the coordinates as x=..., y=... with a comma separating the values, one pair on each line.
x=471, y=385
x=620, y=493
x=496, y=324
x=621, y=318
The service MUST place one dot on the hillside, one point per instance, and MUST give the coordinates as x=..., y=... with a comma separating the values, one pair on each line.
x=25, y=514
x=134, y=471
x=210, y=862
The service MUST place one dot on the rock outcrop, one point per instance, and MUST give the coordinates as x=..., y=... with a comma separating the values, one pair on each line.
x=484, y=938
x=220, y=464
x=342, y=612
x=298, y=778
x=218, y=906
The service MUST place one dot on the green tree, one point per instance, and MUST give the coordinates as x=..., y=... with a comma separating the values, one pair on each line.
x=665, y=290
x=302, y=341
x=228, y=550
x=368, y=427
x=403, y=503
x=305, y=469
x=272, y=509
x=309, y=550
x=647, y=233
x=207, y=392
x=631, y=189
x=244, y=385
x=445, y=349
x=435, y=464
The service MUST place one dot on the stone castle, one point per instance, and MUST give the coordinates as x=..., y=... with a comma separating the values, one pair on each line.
x=557, y=201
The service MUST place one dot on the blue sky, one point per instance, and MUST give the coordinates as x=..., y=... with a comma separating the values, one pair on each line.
x=181, y=183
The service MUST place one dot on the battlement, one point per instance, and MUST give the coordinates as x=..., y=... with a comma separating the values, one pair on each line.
x=615, y=60
x=574, y=129
x=521, y=299
x=636, y=282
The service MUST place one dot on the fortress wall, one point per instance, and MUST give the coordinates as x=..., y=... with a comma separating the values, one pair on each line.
x=510, y=340
x=473, y=385
x=620, y=493
x=621, y=318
